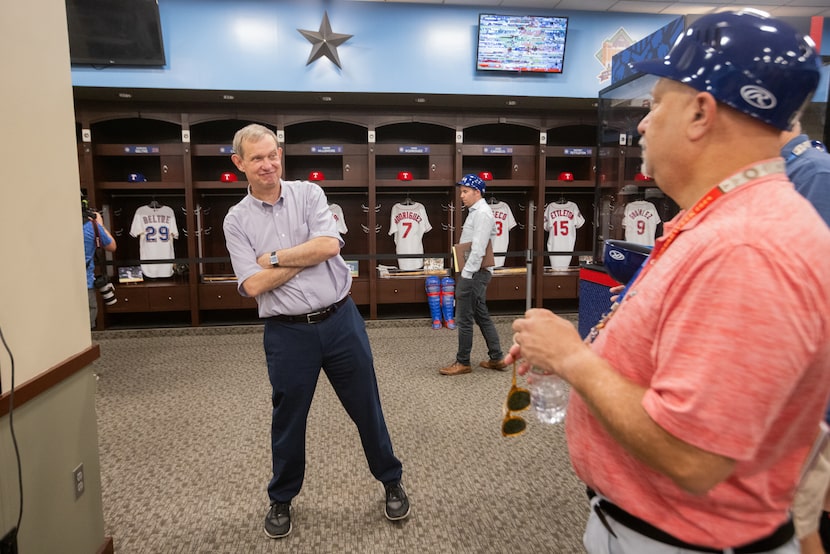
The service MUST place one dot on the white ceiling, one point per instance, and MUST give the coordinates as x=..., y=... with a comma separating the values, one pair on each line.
x=781, y=8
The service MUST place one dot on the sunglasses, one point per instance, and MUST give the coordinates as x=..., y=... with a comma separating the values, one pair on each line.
x=518, y=399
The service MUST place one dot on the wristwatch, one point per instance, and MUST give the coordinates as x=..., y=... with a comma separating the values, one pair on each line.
x=275, y=260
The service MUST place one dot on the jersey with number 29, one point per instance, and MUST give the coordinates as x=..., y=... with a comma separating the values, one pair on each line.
x=156, y=229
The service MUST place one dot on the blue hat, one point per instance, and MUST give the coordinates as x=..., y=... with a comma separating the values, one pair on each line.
x=136, y=178
x=472, y=181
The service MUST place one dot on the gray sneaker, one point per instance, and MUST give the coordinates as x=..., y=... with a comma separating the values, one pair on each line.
x=278, y=520
x=397, y=503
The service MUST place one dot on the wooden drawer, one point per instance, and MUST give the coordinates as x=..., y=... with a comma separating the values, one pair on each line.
x=400, y=290
x=169, y=298
x=524, y=167
x=560, y=286
x=507, y=287
x=354, y=168
x=360, y=292
x=441, y=167
x=172, y=169
x=131, y=298
x=220, y=296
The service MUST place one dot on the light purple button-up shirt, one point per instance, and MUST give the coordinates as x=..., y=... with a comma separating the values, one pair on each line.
x=479, y=227
x=253, y=227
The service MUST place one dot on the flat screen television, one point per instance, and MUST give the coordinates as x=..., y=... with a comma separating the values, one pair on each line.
x=522, y=43
x=115, y=32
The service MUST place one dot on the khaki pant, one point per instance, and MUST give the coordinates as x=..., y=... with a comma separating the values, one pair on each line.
x=812, y=496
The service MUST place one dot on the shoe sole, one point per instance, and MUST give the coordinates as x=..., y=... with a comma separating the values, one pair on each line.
x=456, y=372
x=399, y=518
x=488, y=366
x=270, y=536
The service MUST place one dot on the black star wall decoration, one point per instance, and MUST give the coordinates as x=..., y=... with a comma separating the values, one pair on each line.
x=324, y=42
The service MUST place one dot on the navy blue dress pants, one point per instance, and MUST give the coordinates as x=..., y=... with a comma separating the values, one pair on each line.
x=295, y=353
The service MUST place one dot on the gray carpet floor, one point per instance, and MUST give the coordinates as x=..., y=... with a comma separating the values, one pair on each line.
x=183, y=418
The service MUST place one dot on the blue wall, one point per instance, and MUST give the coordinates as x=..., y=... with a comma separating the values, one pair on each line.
x=254, y=45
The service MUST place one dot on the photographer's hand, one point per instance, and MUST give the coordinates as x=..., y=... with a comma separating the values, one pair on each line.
x=100, y=221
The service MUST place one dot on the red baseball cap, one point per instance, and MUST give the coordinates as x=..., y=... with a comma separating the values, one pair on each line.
x=566, y=176
x=228, y=177
x=486, y=176
x=316, y=176
x=404, y=176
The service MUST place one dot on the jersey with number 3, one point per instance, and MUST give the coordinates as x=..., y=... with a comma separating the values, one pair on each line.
x=504, y=222
x=156, y=228
x=640, y=221
x=561, y=221
x=408, y=224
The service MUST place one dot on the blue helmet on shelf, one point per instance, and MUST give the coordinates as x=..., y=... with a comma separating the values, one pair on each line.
x=748, y=60
x=136, y=178
x=622, y=259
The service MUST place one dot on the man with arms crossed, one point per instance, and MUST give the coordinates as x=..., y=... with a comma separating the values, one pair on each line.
x=695, y=405
x=285, y=251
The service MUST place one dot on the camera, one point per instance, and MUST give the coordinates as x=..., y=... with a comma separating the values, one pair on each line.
x=87, y=211
x=102, y=283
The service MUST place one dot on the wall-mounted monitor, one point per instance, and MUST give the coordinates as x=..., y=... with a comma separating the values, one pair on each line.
x=115, y=32
x=522, y=43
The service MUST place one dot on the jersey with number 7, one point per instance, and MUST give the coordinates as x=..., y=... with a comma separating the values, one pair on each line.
x=408, y=224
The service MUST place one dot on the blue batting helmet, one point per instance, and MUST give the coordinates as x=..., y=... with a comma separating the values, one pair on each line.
x=748, y=60
x=622, y=259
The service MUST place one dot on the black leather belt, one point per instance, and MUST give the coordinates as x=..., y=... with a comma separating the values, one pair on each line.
x=777, y=538
x=313, y=317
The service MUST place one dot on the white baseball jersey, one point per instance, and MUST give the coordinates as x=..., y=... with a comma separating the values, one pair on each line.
x=156, y=229
x=337, y=212
x=640, y=222
x=408, y=224
x=504, y=222
x=561, y=221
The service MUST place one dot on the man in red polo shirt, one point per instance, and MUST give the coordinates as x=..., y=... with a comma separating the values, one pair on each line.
x=695, y=405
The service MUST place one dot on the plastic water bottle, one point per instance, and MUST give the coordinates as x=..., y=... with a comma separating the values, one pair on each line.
x=548, y=396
